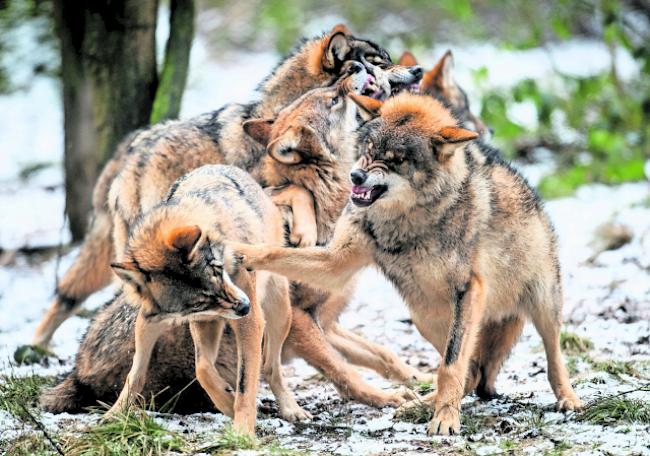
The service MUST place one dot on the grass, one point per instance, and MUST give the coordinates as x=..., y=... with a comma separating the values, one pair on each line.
x=19, y=393
x=422, y=387
x=508, y=445
x=132, y=432
x=230, y=439
x=617, y=409
x=420, y=412
x=27, y=445
x=573, y=344
x=615, y=367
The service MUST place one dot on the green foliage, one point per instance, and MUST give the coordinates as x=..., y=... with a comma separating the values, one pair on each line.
x=615, y=367
x=416, y=412
x=28, y=444
x=572, y=343
x=30, y=354
x=616, y=409
x=19, y=394
x=132, y=432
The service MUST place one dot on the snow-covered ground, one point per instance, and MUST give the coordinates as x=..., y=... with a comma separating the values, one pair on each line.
x=607, y=295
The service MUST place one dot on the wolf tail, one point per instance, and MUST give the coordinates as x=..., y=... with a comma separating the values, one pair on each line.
x=71, y=396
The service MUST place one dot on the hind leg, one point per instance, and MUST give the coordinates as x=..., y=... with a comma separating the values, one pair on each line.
x=494, y=345
x=207, y=339
x=308, y=341
x=90, y=272
x=277, y=310
x=548, y=323
x=362, y=352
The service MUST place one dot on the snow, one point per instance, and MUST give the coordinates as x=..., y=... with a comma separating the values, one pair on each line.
x=607, y=300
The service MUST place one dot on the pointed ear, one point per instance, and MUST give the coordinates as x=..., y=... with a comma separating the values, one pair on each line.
x=259, y=130
x=128, y=272
x=407, y=59
x=441, y=77
x=368, y=107
x=183, y=239
x=449, y=139
x=337, y=47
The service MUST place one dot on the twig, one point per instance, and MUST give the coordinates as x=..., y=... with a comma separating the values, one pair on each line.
x=40, y=426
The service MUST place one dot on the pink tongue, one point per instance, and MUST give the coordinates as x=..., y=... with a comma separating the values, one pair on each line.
x=358, y=189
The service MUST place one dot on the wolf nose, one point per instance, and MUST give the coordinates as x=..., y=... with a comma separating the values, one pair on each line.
x=355, y=67
x=242, y=308
x=417, y=71
x=358, y=176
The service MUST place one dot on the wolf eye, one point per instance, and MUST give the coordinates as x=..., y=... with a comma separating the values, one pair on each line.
x=375, y=59
x=335, y=101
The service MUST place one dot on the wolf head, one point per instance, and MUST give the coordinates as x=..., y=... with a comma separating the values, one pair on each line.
x=175, y=271
x=410, y=151
x=321, y=61
x=315, y=130
x=440, y=84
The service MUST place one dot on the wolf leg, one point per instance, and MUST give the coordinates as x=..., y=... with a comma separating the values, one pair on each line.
x=495, y=344
x=248, y=333
x=549, y=326
x=146, y=335
x=277, y=309
x=207, y=339
x=461, y=341
x=308, y=341
x=90, y=272
x=362, y=352
x=304, y=231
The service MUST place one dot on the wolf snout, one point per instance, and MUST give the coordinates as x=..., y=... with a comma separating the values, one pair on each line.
x=417, y=71
x=242, y=307
x=358, y=176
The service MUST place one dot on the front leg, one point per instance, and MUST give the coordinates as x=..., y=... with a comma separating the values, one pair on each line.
x=146, y=335
x=248, y=333
x=469, y=306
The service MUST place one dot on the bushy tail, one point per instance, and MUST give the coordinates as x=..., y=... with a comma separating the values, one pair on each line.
x=70, y=396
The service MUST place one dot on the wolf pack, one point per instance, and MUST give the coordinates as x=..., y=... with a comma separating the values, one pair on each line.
x=235, y=239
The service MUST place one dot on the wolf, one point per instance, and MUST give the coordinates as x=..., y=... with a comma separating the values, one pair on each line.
x=149, y=160
x=308, y=146
x=439, y=83
x=175, y=273
x=460, y=234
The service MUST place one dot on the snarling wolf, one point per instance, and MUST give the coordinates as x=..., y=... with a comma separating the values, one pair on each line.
x=460, y=234
x=148, y=161
x=174, y=272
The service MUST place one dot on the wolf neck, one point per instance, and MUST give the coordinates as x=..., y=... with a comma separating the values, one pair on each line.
x=296, y=75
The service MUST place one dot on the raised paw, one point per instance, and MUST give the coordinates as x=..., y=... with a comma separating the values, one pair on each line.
x=568, y=404
x=446, y=421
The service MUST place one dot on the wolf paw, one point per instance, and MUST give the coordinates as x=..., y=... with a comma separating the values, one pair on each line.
x=415, y=411
x=295, y=413
x=446, y=421
x=400, y=396
x=565, y=404
x=306, y=238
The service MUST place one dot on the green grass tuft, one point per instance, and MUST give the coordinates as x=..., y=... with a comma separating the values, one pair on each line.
x=132, y=432
x=616, y=409
x=615, y=367
x=573, y=344
x=230, y=439
x=422, y=387
x=18, y=393
x=28, y=444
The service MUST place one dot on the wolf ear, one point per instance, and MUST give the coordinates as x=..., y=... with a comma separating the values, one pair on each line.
x=368, y=107
x=183, y=239
x=441, y=77
x=337, y=48
x=449, y=139
x=407, y=59
x=259, y=130
x=283, y=154
x=128, y=272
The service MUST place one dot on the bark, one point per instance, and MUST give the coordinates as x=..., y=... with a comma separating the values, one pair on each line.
x=109, y=80
x=177, y=57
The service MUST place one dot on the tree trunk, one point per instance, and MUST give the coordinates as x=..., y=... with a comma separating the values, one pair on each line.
x=109, y=78
x=177, y=58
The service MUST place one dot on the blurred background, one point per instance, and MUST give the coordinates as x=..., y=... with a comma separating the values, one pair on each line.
x=564, y=84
